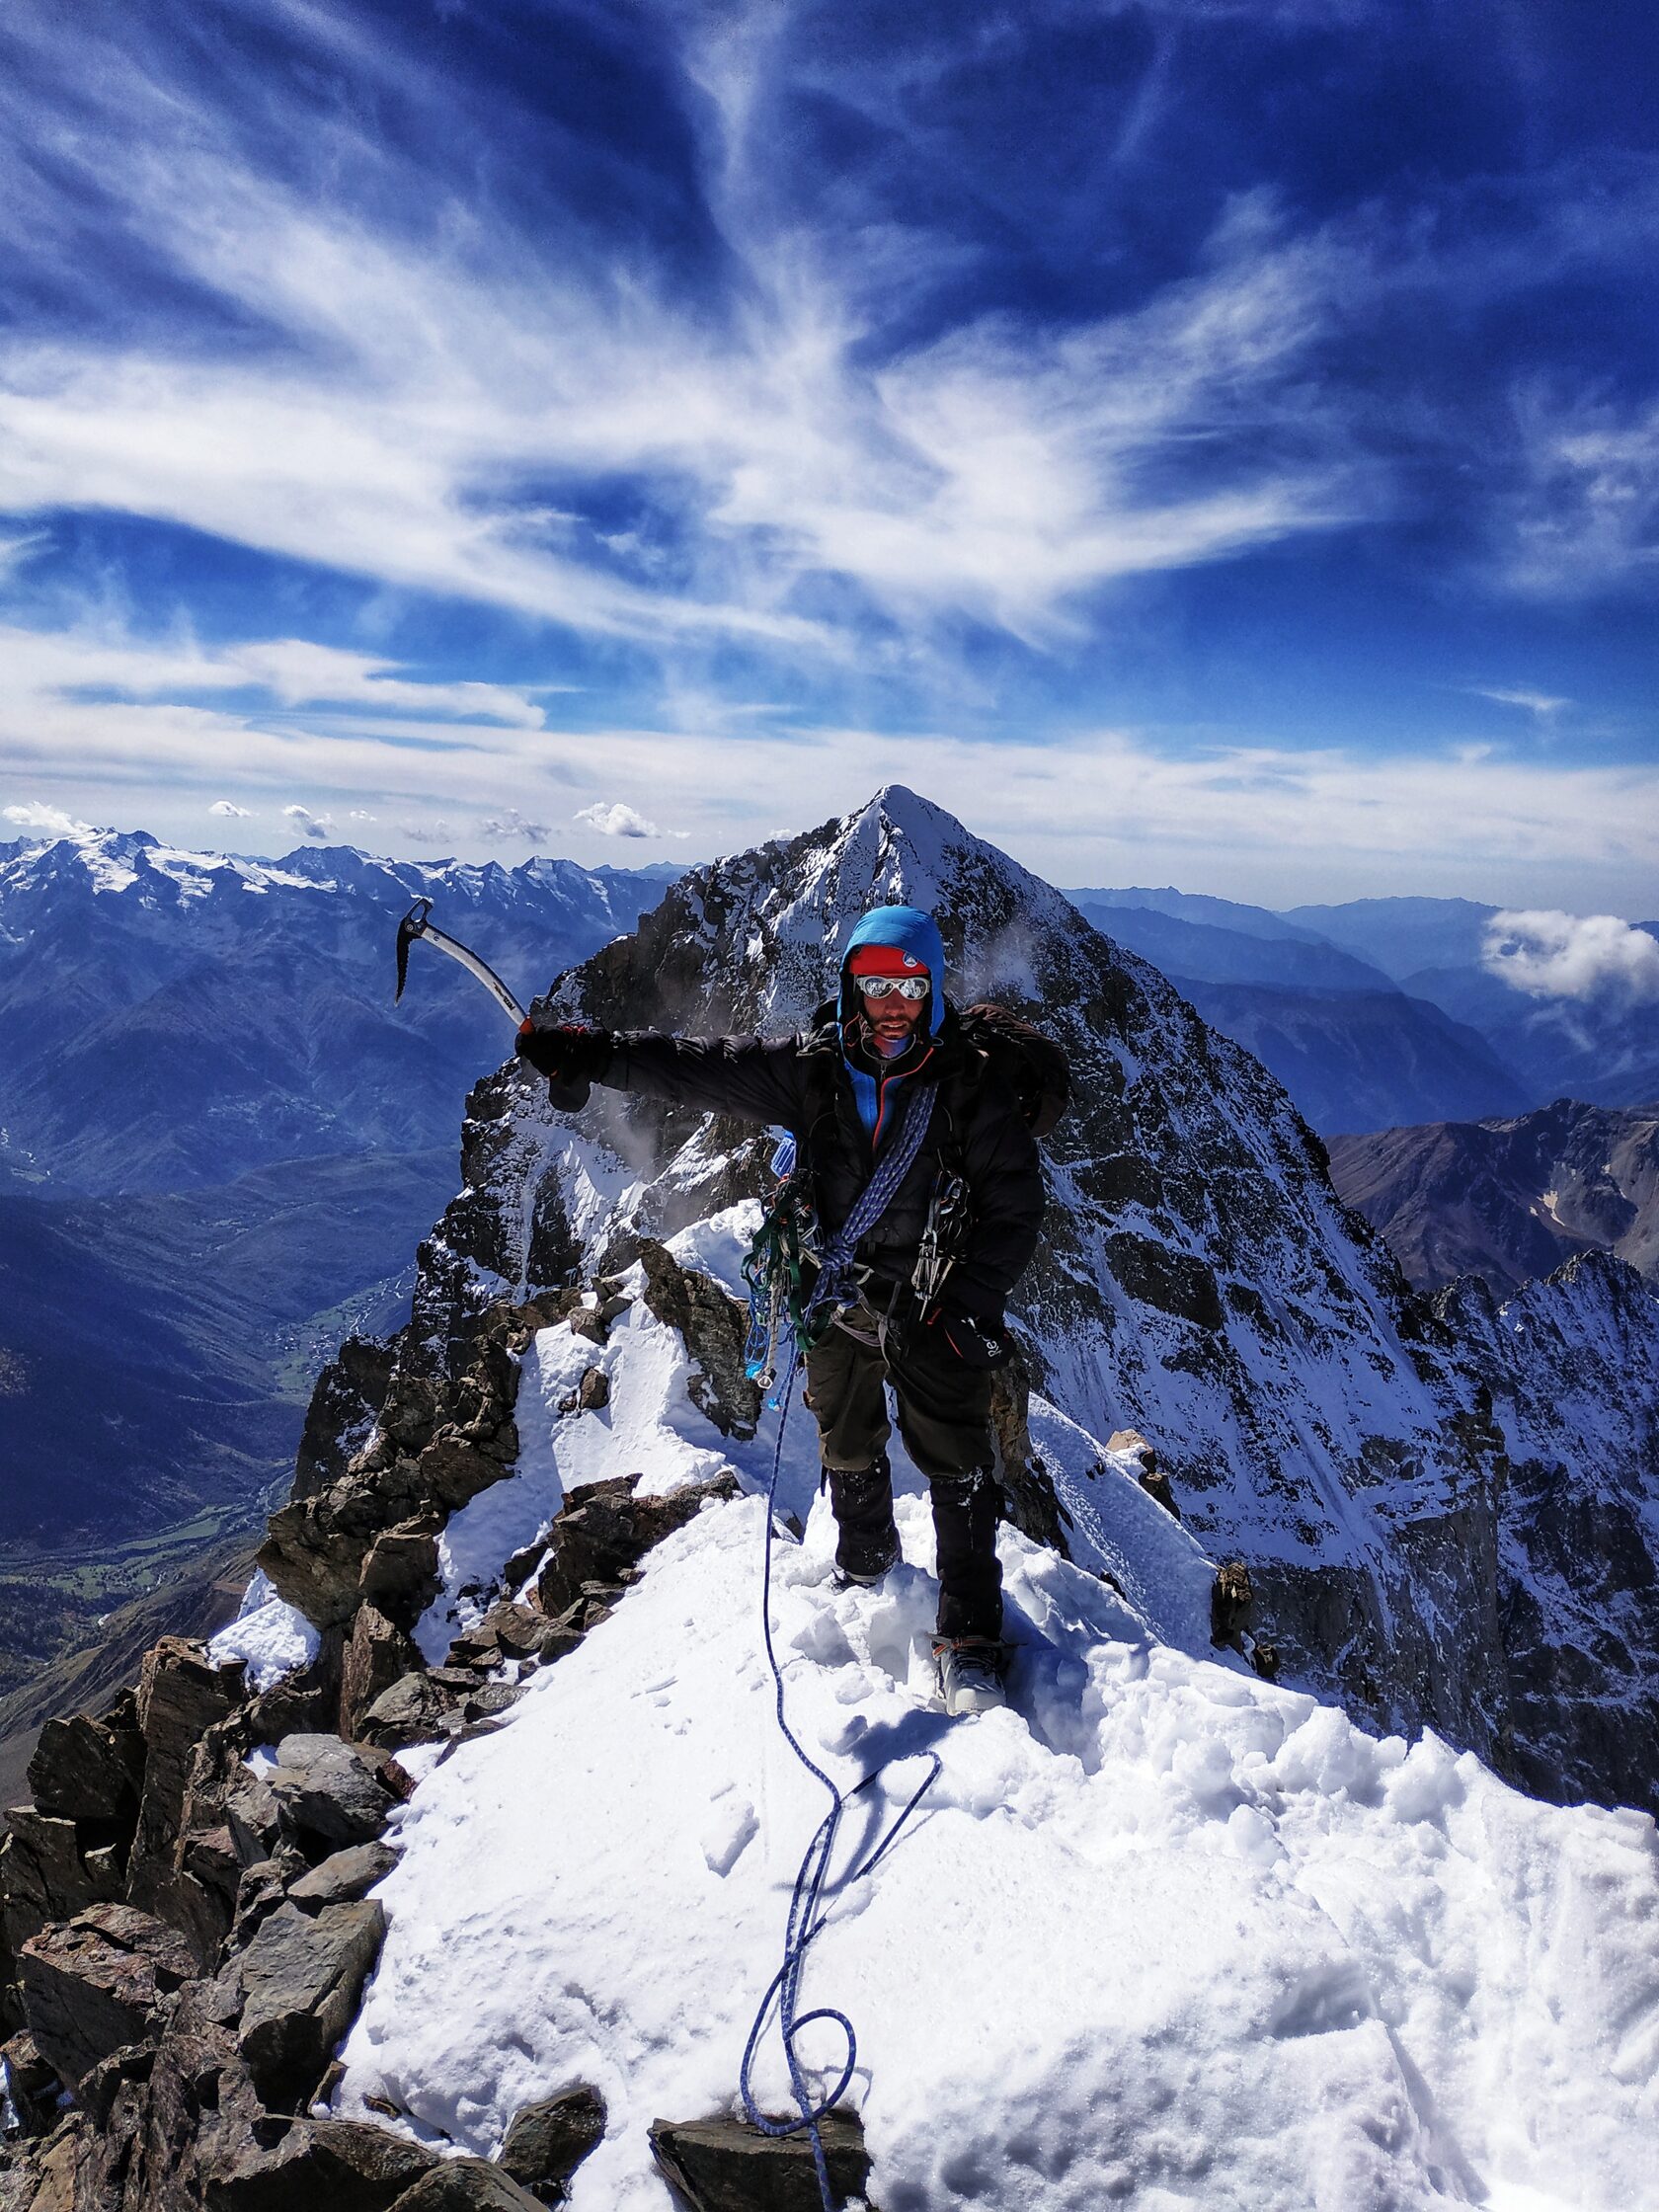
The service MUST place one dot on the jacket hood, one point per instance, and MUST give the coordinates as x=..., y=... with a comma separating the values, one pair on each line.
x=910, y=930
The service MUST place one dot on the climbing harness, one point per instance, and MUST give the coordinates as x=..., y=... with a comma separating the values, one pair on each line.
x=808, y=1913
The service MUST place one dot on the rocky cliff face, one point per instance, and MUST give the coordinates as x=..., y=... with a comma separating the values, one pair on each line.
x=1570, y=1363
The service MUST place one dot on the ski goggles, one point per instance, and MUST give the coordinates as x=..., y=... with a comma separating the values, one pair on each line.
x=879, y=987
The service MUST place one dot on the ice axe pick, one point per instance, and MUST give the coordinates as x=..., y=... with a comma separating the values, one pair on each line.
x=417, y=922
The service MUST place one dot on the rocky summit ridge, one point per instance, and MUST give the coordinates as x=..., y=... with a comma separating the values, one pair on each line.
x=1437, y=1517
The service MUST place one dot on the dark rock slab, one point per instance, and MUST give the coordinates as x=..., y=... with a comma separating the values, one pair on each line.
x=377, y=1654
x=301, y=1979
x=319, y=2165
x=33, y=2083
x=89, y=1769
x=466, y=2186
x=547, y=2142
x=345, y=1877
x=333, y=1792
x=99, y=1982
x=726, y=2166
x=715, y=1328
x=416, y=1709
x=46, y=1874
x=180, y=1698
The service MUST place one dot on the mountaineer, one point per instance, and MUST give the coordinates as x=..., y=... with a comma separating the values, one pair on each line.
x=888, y=1056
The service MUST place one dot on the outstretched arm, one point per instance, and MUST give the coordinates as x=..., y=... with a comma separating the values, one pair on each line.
x=752, y=1077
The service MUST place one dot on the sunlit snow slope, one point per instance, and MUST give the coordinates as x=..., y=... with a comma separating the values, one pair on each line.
x=1162, y=1934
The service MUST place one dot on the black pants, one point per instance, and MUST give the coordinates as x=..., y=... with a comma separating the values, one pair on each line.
x=944, y=1418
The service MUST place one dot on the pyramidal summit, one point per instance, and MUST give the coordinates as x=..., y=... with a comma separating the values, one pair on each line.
x=1312, y=1861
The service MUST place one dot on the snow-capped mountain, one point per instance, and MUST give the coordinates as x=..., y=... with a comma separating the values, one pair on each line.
x=1198, y=1278
x=170, y=1018
x=1166, y=1931
x=1509, y=1200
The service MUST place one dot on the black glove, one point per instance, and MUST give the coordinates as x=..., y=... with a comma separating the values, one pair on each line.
x=567, y=1055
x=979, y=1340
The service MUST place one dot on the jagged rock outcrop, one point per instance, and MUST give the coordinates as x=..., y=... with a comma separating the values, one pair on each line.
x=1571, y=1365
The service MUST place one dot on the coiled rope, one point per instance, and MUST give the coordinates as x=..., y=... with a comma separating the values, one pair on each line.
x=807, y=1911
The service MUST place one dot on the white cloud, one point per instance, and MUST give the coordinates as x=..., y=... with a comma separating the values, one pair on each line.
x=1535, y=702
x=317, y=825
x=426, y=832
x=360, y=814
x=53, y=820
x=1551, y=955
x=1585, y=516
x=616, y=820
x=230, y=808
x=511, y=825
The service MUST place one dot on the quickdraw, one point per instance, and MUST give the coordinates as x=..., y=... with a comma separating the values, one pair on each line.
x=942, y=1241
x=773, y=1272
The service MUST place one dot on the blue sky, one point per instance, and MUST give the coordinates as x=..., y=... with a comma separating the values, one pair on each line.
x=1198, y=441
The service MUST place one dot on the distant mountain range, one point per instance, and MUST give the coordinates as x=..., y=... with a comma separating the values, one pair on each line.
x=172, y=1018
x=1509, y=1200
x=1382, y=1012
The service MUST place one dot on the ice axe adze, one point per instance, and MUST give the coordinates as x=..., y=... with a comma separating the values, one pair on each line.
x=417, y=922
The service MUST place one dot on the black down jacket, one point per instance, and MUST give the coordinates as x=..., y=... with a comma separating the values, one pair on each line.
x=801, y=1083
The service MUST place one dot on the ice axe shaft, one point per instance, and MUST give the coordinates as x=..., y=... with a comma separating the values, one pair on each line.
x=417, y=922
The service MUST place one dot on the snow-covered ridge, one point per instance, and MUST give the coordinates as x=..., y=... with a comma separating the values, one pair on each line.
x=1164, y=1934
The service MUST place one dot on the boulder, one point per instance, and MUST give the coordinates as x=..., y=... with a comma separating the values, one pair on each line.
x=418, y=1709
x=99, y=1982
x=1231, y=1602
x=319, y=2165
x=89, y=1769
x=333, y=1792
x=377, y=1654
x=400, y=1575
x=301, y=1979
x=592, y=1393
x=45, y=1876
x=465, y=2185
x=727, y=2165
x=180, y=1698
x=343, y=1878
x=547, y=2142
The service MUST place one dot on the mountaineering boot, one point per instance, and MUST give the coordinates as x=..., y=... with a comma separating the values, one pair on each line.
x=867, y=1542
x=970, y=1674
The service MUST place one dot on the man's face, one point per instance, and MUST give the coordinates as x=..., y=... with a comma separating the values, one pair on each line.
x=891, y=1018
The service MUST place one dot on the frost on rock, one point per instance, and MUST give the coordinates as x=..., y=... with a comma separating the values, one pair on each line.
x=269, y=1638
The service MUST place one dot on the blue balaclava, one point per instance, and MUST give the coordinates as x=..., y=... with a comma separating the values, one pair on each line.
x=910, y=930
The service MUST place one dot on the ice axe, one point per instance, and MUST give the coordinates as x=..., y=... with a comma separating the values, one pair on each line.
x=570, y=1098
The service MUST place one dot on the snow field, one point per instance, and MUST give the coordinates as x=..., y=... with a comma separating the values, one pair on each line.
x=1162, y=1934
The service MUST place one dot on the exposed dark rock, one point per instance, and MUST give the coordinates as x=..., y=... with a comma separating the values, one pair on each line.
x=320, y=2166
x=301, y=1978
x=345, y=1404
x=418, y=1709
x=726, y=2166
x=592, y=1393
x=1231, y=1602
x=98, y=1984
x=1175, y=1282
x=605, y=1530
x=465, y=2185
x=91, y=1770
x=180, y=1698
x=377, y=1655
x=713, y=1327
x=400, y=1575
x=47, y=1873
x=32, y=2083
x=345, y=1877
x=547, y=2142
x=334, y=1792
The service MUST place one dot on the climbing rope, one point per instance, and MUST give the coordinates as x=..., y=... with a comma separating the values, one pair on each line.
x=807, y=1911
